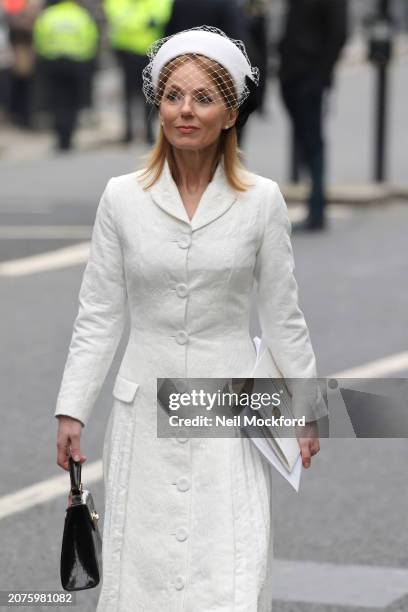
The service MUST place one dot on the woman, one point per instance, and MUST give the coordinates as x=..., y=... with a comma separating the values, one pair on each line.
x=187, y=521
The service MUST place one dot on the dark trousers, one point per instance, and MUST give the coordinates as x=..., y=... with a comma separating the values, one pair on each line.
x=20, y=99
x=303, y=98
x=5, y=88
x=132, y=66
x=65, y=80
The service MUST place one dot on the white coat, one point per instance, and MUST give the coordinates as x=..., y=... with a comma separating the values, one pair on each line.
x=188, y=522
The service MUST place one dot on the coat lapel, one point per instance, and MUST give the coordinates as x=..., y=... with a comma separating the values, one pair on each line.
x=215, y=201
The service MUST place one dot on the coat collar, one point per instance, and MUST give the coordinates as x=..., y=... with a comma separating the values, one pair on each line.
x=217, y=198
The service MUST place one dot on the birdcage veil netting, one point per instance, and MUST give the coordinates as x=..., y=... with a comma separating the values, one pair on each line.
x=202, y=62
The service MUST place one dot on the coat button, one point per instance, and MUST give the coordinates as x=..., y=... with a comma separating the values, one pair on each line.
x=179, y=582
x=181, y=534
x=276, y=412
x=183, y=483
x=182, y=290
x=181, y=336
x=184, y=241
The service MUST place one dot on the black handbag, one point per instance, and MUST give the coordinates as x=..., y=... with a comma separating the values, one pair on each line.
x=81, y=551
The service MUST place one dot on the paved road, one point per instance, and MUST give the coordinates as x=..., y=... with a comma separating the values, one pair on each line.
x=352, y=507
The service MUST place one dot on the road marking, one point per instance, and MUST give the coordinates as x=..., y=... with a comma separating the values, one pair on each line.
x=378, y=368
x=45, y=232
x=60, y=258
x=46, y=490
x=338, y=585
x=78, y=253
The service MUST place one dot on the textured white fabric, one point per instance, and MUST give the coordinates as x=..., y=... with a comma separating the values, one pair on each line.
x=188, y=523
x=210, y=44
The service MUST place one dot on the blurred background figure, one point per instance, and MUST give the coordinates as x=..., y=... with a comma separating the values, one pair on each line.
x=401, y=14
x=21, y=15
x=227, y=15
x=133, y=25
x=314, y=34
x=94, y=7
x=66, y=42
x=256, y=17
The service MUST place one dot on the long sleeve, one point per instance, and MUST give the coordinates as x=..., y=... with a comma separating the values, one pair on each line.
x=100, y=320
x=282, y=321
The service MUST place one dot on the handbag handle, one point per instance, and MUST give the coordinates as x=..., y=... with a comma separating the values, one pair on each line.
x=75, y=475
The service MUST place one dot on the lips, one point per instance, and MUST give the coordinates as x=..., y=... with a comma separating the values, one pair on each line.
x=187, y=129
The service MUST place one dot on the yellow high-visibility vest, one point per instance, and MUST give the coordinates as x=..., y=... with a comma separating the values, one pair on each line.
x=65, y=30
x=135, y=24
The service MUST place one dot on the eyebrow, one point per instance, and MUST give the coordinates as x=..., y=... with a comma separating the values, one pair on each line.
x=198, y=89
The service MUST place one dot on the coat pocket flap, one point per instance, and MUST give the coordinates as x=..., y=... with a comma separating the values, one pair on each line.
x=124, y=389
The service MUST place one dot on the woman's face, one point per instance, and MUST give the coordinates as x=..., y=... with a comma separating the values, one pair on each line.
x=192, y=110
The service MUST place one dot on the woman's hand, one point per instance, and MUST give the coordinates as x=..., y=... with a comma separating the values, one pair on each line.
x=68, y=441
x=308, y=438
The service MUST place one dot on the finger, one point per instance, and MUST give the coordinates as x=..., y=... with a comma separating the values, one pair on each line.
x=75, y=447
x=305, y=452
x=62, y=453
x=82, y=458
x=315, y=447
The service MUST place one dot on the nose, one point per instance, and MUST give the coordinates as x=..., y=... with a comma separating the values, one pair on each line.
x=187, y=108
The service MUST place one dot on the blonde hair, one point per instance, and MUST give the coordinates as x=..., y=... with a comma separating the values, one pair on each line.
x=227, y=151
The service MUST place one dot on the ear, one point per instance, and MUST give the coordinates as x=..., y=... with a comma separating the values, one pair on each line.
x=230, y=118
x=232, y=115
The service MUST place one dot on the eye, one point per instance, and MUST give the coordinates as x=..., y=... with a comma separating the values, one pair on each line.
x=173, y=95
x=203, y=98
